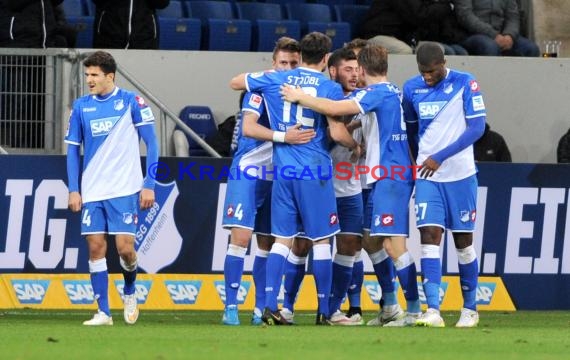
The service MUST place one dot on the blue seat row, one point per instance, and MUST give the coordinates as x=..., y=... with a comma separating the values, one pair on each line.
x=235, y=26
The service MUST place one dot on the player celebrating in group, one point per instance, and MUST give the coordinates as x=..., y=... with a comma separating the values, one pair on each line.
x=247, y=207
x=389, y=221
x=446, y=109
x=108, y=123
x=302, y=195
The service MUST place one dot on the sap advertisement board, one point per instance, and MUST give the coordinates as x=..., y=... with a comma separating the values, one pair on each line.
x=522, y=229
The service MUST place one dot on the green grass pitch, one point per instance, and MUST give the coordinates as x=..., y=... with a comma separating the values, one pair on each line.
x=41, y=334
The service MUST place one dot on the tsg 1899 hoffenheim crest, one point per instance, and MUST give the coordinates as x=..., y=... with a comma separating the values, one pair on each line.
x=119, y=105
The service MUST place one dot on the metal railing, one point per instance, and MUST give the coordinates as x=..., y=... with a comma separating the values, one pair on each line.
x=33, y=100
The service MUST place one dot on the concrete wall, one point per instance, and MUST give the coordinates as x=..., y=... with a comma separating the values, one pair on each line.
x=528, y=100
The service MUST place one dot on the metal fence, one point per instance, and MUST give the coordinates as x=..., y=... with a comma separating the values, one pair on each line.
x=29, y=80
x=37, y=88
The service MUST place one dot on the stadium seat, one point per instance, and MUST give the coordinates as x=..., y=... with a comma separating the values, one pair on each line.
x=173, y=10
x=352, y=14
x=84, y=27
x=268, y=24
x=201, y=120
x=220, y=29
x=318, y=17
x=180, y=34
x=74, y=8
x=335, y=2
x=285, y=2
x=89, y=7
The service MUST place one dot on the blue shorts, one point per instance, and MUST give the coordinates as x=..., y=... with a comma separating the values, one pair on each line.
x=350, y=214
x=309, y=205
x=449, y=205
x=367, y=203
x=248, y=204
x=111, y=216
x=390, y=213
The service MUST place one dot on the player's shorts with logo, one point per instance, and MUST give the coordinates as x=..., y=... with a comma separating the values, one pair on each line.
x=367, y=205
x=350, y=214
x=111, y=216
x=248, y=203
x=449, y=205
x=303, y=204
x=390, y=212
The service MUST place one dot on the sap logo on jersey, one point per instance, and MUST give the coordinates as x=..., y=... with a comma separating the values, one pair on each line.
x=485, y=293
x=142, y=289
x=242, y=290
x=183, y=292
x=79, y=291
x=30, y=291
x=101, y=127
x=428, y=110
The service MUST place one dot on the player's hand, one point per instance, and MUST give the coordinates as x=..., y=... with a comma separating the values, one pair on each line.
x=290, y=93
x=146, y=198
x=74, y=201
x=429, y=167
x=356, y=153
x=295, y=135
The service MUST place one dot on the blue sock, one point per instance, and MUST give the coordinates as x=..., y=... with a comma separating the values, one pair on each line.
x=431, y=274
x=259, y=276
x=233, y=270
x=341, y=276
x=274, y=274
x=355, y=287
x=385, y=273
x=100, y=283
x=407, y=274
x=468, y=276
x=294, y=275
x=322, y=271
x=129, y=275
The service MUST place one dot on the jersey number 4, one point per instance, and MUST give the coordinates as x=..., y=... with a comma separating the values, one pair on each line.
x=86, y=218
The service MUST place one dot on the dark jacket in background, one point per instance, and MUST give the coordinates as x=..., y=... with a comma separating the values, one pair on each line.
x=116, y=27
x=389, y=17
x=27, y=23
x=489, y=17
x=491, y=147
x=563, y=149
x=436, y=21
x=432, y=20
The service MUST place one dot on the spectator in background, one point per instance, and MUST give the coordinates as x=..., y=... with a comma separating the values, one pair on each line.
x=127, y=24
x=388, y=24
x=494, y=28
x=27, y=23
x=24, y=24
x=491, y=147
x=563, y=149
x=399, y=25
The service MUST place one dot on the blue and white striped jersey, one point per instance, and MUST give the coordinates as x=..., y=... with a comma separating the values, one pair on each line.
x=443, y=112
x=106, y=126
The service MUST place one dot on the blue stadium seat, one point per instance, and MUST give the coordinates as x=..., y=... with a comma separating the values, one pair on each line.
x=173, y=10
x=89, y=7
x=84, y=27
x=180, y=34
x=318, y=17
x=285, y=2
x=352, y=14
x=268, y=24
x=220, y=29
x=74, y=8
x=201, y=120
x=263, y=11
x=335, y=2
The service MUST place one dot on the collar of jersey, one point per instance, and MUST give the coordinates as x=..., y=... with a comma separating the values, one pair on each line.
x=108, y=96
